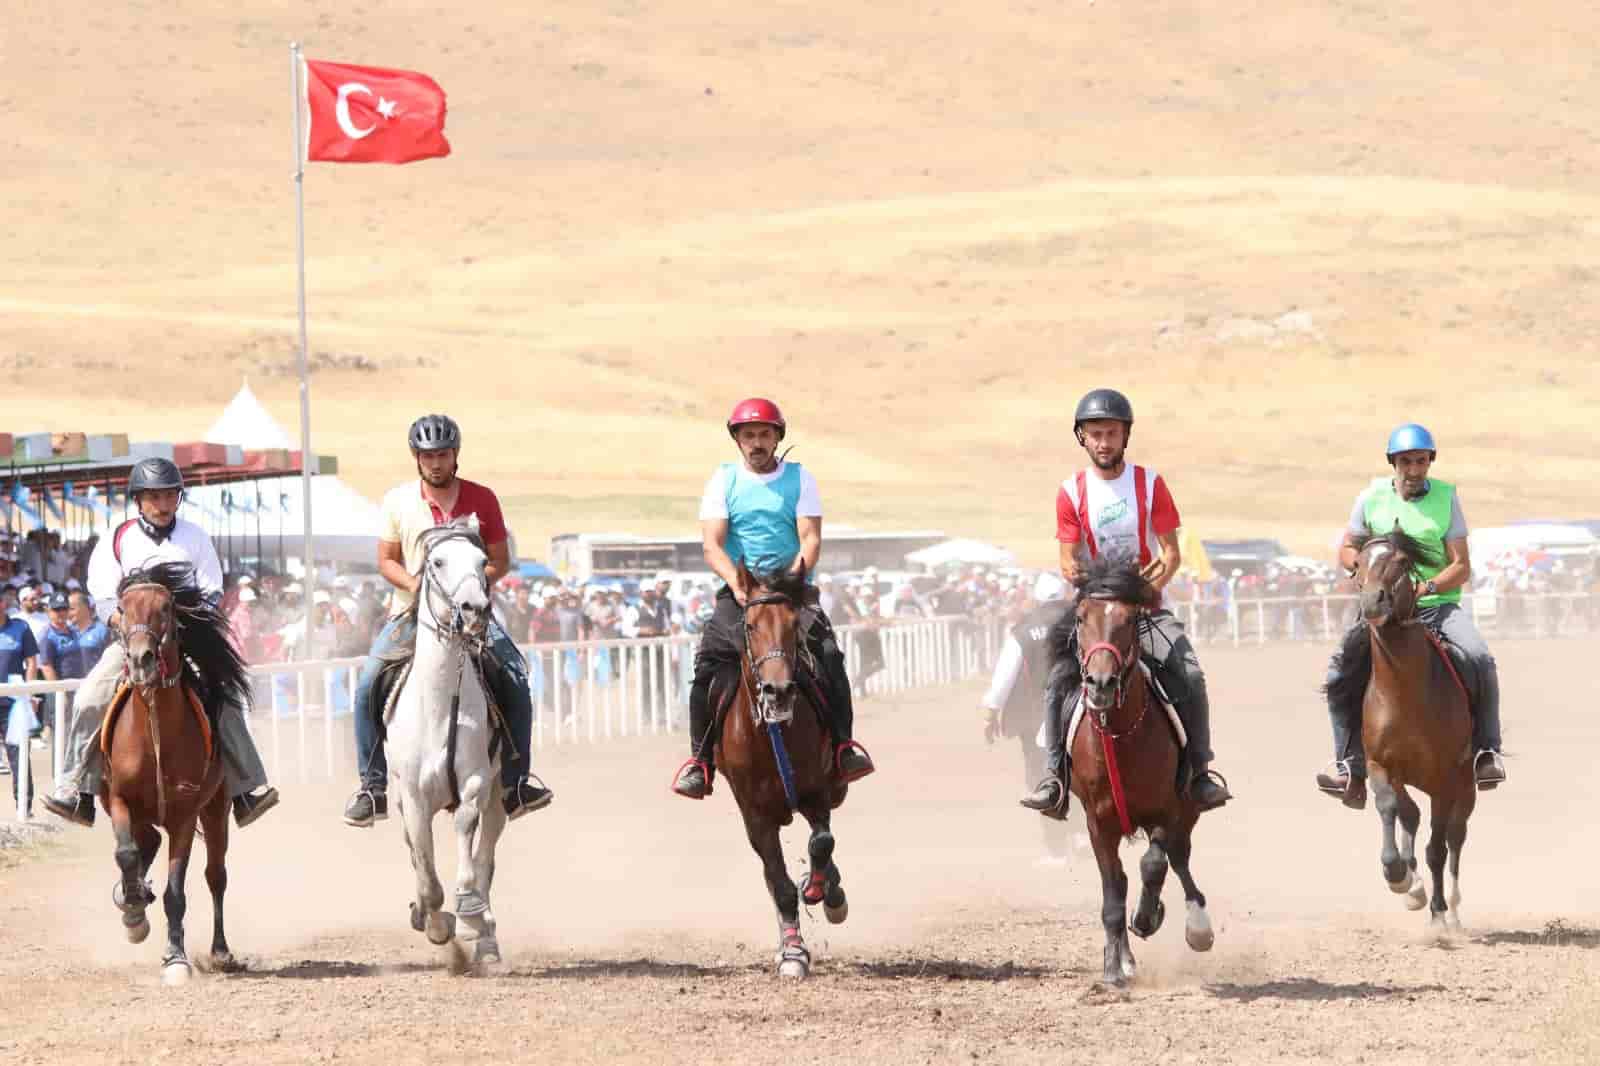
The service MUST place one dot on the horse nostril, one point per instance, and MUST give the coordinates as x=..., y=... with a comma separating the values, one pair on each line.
x=146, y=660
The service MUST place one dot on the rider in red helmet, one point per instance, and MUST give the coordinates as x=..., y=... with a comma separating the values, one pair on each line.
x=765, y=514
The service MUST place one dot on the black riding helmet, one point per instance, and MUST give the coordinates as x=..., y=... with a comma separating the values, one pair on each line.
x=150, y=475
x=432, y=433
x=1102, y=403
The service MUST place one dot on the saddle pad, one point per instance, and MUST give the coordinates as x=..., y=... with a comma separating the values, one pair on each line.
x=1161, y=697
x=120, y=700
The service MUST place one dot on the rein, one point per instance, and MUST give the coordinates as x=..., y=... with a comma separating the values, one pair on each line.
x=147, y=692
x=763, y=711
x=1099, y=721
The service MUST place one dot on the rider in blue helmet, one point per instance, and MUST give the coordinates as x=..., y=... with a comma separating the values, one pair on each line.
x=1429, y=510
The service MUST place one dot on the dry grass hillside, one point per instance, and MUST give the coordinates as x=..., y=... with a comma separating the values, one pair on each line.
x=924, y=228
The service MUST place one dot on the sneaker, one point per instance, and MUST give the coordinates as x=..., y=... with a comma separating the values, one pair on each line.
x=1350, y=789
x=527, y=797
x=252, y=805
x=1049, y=798
x=80, y=812
x=1489, y=769
x=854, y=762
x=366, y=807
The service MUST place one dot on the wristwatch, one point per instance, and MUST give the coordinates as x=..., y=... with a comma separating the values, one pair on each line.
x=1431, y=588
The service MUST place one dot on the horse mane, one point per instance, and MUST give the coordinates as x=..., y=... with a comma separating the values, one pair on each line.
x=1348, y=686
x=1106, y=577
x=212, y=665
x=1413, y=551
x=784, y=582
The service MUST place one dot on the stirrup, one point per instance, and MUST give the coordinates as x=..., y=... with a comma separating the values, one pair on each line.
x=1215, y=778
x=1338, y=766
x=838, y=757
x=1063, y=798
x=705, y=771
x=1497, y=760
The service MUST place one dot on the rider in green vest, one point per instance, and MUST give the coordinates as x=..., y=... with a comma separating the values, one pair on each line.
x=1428, y=510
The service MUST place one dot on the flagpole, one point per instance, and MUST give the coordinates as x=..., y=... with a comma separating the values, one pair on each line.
x=307, y=556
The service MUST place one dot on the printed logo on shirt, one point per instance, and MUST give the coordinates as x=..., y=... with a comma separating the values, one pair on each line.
x=1114, y=511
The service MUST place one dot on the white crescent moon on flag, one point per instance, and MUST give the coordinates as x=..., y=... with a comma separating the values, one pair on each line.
x=341, y=110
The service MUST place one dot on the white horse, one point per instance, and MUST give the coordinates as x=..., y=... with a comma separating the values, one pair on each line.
x=435, y=765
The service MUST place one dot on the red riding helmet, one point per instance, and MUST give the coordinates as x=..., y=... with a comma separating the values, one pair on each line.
x=756, y=409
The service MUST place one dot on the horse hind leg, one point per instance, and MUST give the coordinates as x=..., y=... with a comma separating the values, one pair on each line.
x=1456, y=838
x=1153, y=873
x=1410, y=819
x=794, y=960
x=214, y=820
x=1197, y=931
x=427, y=914
x=175, y=969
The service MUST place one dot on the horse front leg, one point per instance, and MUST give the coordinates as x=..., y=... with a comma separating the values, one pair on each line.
x=1153, y=873
x=131, y=893
x=175, y=968
x=823, y=884
x=1119, y=965
x=794, y=960
x=1395, y=871
x=214, y=820
x=1438, y=847
x=427, y=910
x=1410, y=818
x=478, y=832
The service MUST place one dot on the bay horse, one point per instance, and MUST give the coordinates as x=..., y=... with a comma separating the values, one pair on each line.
x=439, y=737
x=163, y=767
x=1416, y=722
x=1125, y=759
x=777, y=754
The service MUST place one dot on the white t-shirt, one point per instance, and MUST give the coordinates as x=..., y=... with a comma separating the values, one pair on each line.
x=187, y=544
x=714, y=503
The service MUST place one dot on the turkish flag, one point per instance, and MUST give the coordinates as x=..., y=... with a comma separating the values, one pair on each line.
x=372, y=115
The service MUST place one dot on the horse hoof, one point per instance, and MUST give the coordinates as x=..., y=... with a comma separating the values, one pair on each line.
x=796, y=969
x=1197, y=929
x=175, y=973
x=417, y=923
x=1417, y=897
x=1155, y=925
x=138, y=931
x=441, y=927
x=223, y=963
x=836, y=915
x=1402, y=886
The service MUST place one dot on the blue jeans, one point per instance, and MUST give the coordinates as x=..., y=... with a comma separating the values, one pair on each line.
x=508, y=678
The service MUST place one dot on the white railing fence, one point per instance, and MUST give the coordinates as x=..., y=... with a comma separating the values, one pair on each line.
x=583, y=692
x=1325, y=618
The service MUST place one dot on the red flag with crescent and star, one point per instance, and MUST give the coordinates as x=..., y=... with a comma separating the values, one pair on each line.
x=372, y=114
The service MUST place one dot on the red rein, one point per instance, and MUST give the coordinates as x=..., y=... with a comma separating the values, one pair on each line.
x=1108, y=739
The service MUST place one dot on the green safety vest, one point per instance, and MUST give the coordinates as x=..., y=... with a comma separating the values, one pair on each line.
x=1426, y=520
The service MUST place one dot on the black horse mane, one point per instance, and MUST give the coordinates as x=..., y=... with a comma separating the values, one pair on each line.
x=1107, y=577
x=784, y=582
x=1409, y=548
x=211, y=664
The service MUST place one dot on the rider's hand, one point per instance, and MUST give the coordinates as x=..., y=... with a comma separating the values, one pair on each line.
x=991, y=724
x=741, y=595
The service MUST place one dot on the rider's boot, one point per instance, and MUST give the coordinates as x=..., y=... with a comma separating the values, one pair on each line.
x=79, y=809
x=1052, y=796
x=243, y=773
x=694, y=778
x=249, y=806
x=1488, y=767
x=1346, y=777
x=851, y=760
x=523, y=791
x=1207, y=788
x=370, y=803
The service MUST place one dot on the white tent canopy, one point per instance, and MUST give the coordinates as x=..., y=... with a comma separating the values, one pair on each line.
x=961, y=550
x=345, y=524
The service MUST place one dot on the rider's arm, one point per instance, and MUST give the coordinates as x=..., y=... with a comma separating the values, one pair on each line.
x=810, y=529
x=392, y=565
x=103, y=575
x=714, y=537
x=1348, y=553
x=1071, y=559
x=499, y=564
x=1457, y=569
x=1164, y=567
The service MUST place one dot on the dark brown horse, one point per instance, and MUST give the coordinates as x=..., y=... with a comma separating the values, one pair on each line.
x=1416, y=723
x=163, y=768
x=1125, y=761
x=777, y=755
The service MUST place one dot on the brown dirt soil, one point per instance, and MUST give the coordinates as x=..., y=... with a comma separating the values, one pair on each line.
x=637, y=927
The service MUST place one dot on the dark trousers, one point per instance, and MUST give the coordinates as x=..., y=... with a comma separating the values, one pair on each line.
x=722, y=647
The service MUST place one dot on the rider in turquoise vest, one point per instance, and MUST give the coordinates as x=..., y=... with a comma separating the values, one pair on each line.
x=1428, y=510
x=761, y=515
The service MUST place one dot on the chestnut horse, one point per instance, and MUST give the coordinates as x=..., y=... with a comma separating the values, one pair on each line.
x=163, y=768
x=1416, y=723
x=777, y=754
x=1125, y=760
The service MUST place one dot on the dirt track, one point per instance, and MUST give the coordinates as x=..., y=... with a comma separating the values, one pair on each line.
x=637, y=928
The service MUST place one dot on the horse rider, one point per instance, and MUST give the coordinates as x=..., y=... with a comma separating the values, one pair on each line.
x=1116, y=508
x=1014, y=703
x=1427, y=510
x=156, y=536
x=766, y=514
x=410, y=509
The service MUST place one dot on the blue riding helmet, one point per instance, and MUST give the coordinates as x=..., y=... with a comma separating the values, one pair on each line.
x=1410, y=438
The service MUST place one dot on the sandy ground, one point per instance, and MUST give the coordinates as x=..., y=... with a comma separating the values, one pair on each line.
x=637, y=929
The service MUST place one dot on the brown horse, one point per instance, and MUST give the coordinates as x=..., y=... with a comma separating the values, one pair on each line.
x=1416, y=723
x=162, y=766
x=1125, y=760
x=777, y=755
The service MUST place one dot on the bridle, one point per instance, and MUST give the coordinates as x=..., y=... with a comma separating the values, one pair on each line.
x=1125, y=662
x=1410, y=618
x=765, y=705
x=165, y=678
x=457, y=629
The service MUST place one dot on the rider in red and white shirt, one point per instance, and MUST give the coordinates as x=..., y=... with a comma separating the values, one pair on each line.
x=1119, y=509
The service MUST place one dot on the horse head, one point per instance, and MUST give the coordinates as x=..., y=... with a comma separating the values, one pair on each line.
x=1113, y=596
x=149, y=630
x=1385, y=576
x=771, y=641
x=454, y=588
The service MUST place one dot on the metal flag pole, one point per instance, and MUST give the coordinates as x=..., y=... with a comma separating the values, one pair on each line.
x=308, y=557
